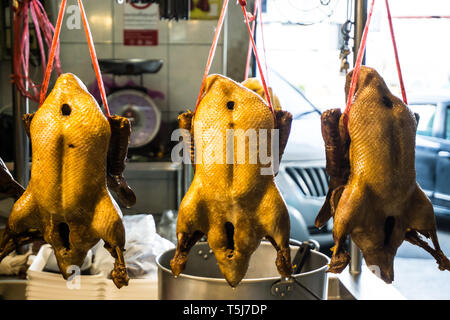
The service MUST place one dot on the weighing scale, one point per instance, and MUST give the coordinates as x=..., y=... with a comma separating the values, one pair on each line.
x=134, y=102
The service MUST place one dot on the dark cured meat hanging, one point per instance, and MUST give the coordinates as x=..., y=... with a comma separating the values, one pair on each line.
x=203, y=5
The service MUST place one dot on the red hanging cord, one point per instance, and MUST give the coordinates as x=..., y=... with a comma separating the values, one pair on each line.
x=212, y=51
x=243, y=3
x=48, y=31
x=21, y=48
x=397, y=60
x=53, y=49
x=357, y=67
x=91, y=50
x=263, y=42
x=94, y=58
x=359, y=61
x=257, y=10
x=249, y=52
x=266, y=91
x=38, y=34
x=21, y=51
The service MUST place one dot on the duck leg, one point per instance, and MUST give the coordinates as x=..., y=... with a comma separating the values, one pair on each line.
x=351, y=203
x=414, y=238
x=274, y=219
x=117, y=155
x=11, y=242
x=108, y=225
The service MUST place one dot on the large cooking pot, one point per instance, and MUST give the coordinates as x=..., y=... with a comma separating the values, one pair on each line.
x=202, y=279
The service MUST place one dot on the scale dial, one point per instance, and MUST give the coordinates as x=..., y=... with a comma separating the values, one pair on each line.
x=142, y=112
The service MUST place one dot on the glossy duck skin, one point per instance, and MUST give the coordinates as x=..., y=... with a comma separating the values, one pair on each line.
x=233, y=204
x=374, y=196
x=67, y=202
x=117, y=156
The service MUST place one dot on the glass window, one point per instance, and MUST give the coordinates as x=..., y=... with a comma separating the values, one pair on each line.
x=426, y=113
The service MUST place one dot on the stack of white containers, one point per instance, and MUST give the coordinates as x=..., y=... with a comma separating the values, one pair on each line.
x=47, y=285
x=143, y=245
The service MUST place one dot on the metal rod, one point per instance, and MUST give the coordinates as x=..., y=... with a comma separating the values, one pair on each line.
x=20, y=107
x=356, y=258
x=225, y=45
x=360, y=21
x=188, y=176
x=253, y=54
x=180, y=194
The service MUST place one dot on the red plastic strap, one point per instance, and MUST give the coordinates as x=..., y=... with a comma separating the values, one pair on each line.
x=94, y=58
x=38, y=33
x=249, y=52
x=49, y=31
x=91, y=50
x=21, y=52
x=51, y=56
x=212, y=51
x=263, y=42
x=21, y=46
x=266, y=91
x=257, y=11
x=358, y=63
x=397, y=60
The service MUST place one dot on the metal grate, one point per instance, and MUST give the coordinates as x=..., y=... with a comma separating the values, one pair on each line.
x=312, y=182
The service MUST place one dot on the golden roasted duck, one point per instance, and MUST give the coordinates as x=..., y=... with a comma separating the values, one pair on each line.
x=230, y=201
x=255, y=85
x=373, y=194
x=67, y=202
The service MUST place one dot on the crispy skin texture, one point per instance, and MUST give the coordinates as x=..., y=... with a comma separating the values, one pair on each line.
x=380, y=205
x=232, y=204
x=67, y=202
x=117, y=155
x=256, y=86
x=9, y=186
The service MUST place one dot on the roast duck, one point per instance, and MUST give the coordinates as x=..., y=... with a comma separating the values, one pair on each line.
x=373, y=194
x=230, y=201
x=76, y=152
x=203, y=5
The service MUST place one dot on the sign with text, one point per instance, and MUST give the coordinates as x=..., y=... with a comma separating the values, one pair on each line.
x=140, y=27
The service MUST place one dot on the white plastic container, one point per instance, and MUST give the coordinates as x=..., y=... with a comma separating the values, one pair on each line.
x=43, y=284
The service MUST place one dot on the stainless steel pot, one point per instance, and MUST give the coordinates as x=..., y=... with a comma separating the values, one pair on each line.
x=202, y=279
